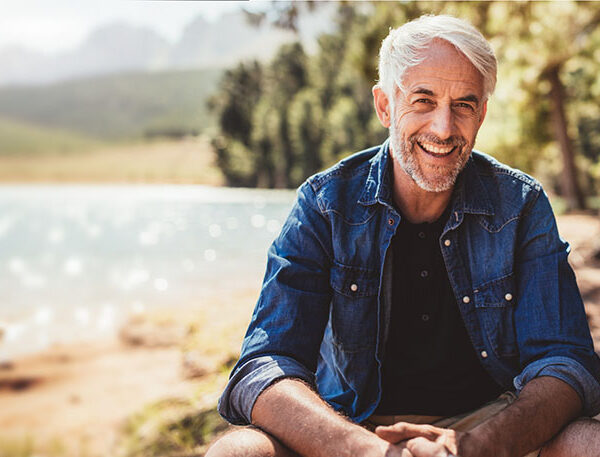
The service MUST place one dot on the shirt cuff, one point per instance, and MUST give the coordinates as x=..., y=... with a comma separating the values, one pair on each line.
x=250, y=379
x=570, y=371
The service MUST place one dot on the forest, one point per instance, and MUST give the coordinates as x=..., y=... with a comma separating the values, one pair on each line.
x=281, y=121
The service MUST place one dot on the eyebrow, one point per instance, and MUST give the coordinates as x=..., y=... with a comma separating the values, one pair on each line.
x=467, y=98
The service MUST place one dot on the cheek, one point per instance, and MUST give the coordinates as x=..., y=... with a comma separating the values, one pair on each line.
x=469, y=127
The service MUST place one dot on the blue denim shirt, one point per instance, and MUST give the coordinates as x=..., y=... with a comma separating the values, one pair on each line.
x=323, y=310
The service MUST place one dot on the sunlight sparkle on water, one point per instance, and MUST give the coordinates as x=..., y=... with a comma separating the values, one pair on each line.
x=16, y=266
x=56, y=235
x=257, y=220
x=73, y=266
x=161, y=284
x=43, y=316
x=137, y=307
x=273, y=225
x=94, y=231
x=151, y=235
x=6, y=223
x=33, y=281
x=188, y=265
x=13, y=331
x=214, y=230
x=106, y=321
x=134, y=278
x=82, y=316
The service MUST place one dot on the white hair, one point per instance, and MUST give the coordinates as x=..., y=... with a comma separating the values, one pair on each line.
x=403, y=47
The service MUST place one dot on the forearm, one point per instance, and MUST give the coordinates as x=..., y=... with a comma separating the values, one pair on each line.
x=293, y=413
x=544, y=406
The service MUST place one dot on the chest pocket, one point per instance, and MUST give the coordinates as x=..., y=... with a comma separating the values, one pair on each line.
x=354, y=307
x=495, y=303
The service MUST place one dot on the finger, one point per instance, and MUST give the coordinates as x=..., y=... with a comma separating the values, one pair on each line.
x=404, y=431
x=398, y=450
x=422, y=447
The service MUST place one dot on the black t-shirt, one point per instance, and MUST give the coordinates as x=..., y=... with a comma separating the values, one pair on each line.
x=430, y=366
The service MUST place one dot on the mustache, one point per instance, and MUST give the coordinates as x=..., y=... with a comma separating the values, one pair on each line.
x=454, y=140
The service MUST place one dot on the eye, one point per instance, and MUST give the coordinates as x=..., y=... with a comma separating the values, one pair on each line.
x=424, y=100
x=463, y=105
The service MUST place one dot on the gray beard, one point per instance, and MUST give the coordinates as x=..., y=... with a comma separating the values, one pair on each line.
x=405, y=155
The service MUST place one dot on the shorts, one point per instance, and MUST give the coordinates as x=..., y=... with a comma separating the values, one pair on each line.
x=462, y=422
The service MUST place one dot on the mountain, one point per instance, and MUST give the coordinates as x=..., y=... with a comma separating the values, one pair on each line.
x=114, y=48
x=226, y=41
x=121, y=47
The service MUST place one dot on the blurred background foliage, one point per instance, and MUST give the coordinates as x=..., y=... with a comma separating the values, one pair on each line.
x=272, y=123
x=279, y=122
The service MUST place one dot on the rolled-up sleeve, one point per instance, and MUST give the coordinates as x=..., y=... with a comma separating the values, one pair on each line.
x=552, y=329
x=570, y=371
x=287, y=326
x=249, y=380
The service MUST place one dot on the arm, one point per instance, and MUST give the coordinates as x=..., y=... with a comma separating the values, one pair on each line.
x=552, y=331
x=291, y=411
x=545, y=405
x=289, y=319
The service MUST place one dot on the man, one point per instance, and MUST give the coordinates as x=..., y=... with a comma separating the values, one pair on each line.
x=413, y=284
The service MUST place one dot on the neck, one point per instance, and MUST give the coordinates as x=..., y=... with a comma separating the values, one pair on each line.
x=416, y=204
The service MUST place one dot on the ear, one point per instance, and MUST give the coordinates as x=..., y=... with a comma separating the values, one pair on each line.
x=382, y=106
x=483, y=113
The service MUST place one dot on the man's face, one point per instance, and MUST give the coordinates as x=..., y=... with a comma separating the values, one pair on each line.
x=435, y=117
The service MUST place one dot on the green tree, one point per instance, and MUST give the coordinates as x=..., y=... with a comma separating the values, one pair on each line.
x=239, y=91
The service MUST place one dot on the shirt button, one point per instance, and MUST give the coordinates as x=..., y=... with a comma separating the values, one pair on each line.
x=484, y=354
x=424, y=274
x=391, y=221
x=447, y=243
x=421, y=235
x=466, y=299
x=354, y=287
x=425, y=317
x=508, y=297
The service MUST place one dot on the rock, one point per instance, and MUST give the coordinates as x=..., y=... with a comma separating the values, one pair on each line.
x=6, y=365
x=195, y=365
x=139, y=332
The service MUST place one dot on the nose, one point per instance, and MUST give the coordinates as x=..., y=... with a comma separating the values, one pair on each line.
x=442, y=124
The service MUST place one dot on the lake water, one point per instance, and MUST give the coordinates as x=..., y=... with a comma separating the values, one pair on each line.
x=74, y=260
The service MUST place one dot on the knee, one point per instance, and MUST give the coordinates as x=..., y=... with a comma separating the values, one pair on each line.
x=581, y=438
x=246, y=442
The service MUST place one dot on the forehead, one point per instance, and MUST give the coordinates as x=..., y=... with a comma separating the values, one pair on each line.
x=444, y=69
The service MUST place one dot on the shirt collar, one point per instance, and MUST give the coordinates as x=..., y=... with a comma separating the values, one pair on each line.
x=470, y=194
x=378, y=187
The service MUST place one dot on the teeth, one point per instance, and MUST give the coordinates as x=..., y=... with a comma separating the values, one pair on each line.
x=436, y=149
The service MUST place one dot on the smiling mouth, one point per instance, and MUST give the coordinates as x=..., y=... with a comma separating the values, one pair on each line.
x=435, y=149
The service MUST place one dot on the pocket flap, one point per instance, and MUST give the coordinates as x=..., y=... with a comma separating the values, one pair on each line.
x=354, y=281
x=498, y=294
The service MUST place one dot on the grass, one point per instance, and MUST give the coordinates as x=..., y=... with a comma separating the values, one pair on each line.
x=177, y=427
x=24, y=139
x=187, y=161
x=170, y=428
x=185, y=427
x=27, y=446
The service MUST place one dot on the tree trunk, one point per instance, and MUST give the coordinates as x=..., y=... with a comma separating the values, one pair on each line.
x=569, y=184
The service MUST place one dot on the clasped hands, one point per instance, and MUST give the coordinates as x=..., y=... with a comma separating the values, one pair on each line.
x=421, y=440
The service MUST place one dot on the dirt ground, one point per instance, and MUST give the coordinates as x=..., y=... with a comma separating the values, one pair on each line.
x=82, y=393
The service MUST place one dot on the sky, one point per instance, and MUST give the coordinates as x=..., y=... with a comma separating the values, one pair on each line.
x=60, y=25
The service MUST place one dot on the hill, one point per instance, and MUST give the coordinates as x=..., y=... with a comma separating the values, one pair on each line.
x=130, y=105
x=23, y=139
